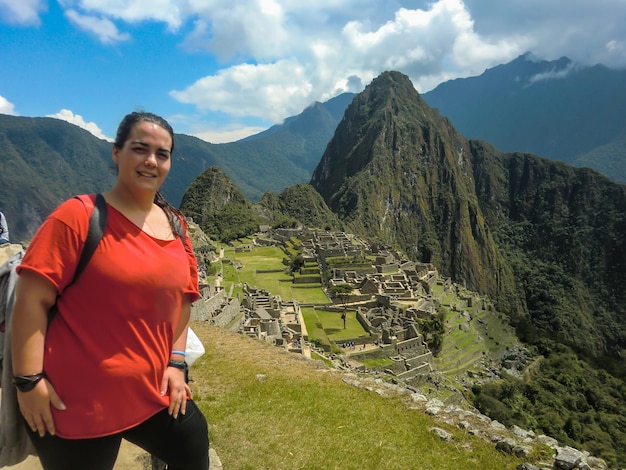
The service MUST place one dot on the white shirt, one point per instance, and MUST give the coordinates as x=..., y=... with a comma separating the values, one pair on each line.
x=4, y=228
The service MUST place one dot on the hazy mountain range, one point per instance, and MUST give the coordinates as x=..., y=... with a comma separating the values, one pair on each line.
x=576, y=116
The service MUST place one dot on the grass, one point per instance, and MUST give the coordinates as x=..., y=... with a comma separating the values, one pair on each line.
x=268, y=409
x=263, y=268
x=376, y=362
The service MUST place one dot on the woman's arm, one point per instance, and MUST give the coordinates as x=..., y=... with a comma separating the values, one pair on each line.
x=180, y=334
x=35, y=295
x=174, y=378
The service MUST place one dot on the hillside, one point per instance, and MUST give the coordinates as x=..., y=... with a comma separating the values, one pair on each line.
x=223, y=213
x=544, y=239
x=270, y=409
x=396, y=170
x=43, y=161
x=555, y=109
x=480, y=360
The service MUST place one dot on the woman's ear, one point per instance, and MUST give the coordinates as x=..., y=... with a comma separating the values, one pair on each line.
x=115, y=155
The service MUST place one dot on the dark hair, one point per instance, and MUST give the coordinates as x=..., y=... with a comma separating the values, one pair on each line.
x=123, y=131
x=132, y=119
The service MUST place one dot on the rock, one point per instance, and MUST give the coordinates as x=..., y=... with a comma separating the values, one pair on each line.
x=597, y=463
x=505, y=445
x=549, y=441
x=418, y=398
x=523, y=433
x=498, y=426
x=522, y=452
x=214, y=461
x=435, y=402
x=444, y=435
x=567, y=458
x=526, y=466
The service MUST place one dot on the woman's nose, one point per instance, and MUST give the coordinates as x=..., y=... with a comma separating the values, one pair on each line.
x=151, y=159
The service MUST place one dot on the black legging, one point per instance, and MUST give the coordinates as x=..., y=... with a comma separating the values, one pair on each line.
x=182, y=443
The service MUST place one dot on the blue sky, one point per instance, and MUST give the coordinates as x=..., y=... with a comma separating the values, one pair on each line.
x=222, y=70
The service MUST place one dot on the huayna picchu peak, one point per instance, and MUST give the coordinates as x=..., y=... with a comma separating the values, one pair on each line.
x=545, y=239
x=398, y=171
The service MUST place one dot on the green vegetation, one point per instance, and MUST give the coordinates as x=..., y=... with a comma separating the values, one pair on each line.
x=297, y=205
x=333, y=325
x=44, y=161
x=563, y=397
x=545, y=400
x=273, y=410
x=376, y=362
x=263, y=267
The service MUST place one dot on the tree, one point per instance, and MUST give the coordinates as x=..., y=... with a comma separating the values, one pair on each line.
x=341, y=293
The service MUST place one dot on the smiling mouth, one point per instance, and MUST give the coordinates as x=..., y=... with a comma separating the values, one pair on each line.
x=146, y=175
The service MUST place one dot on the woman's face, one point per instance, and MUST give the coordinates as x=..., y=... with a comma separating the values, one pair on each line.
x=145, y=159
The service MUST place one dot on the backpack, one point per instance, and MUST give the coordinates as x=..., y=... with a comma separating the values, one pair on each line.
x=15, y=445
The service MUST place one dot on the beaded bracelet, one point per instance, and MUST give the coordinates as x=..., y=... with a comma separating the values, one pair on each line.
x=181, y=353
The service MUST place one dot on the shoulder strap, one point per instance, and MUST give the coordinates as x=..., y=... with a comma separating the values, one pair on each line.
x=97, y=224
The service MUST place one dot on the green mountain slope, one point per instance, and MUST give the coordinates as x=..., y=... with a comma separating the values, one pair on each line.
x=544, y=239
x=562, y=230
x=397, y=171
x=43, y=161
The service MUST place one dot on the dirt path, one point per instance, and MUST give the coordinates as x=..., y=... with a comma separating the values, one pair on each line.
x=130, y=458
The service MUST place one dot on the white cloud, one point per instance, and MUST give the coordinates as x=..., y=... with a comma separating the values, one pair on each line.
x=77, y=119
x=298, y=58
x=22, y=12
x=6, y=107
x=104, y=29
x=578, y=29
x=272, y=91
x=167, y=11
x=278, y=56
x=215, y=131
x=225, y=135
x=554, y=74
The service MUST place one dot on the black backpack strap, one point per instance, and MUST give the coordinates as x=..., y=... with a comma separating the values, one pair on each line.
x=97, y=224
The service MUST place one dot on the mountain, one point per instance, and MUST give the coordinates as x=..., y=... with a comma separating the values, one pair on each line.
x=281, y=156
x=272, y=160
x=398, y=171
x=224, y=214
x=545, y=239
x=43, y=161
x=218, y=207
x=556, y=109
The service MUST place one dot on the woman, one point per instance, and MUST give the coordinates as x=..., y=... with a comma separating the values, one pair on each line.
x=109, y=365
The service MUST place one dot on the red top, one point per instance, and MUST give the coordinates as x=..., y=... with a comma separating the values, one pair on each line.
x=108, y=347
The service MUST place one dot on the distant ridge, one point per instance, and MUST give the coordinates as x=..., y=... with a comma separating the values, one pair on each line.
x=556, y=109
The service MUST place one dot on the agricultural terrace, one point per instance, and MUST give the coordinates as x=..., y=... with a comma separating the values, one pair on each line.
x=264, y=267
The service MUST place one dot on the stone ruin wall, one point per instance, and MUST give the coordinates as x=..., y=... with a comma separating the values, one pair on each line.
x=218, y=309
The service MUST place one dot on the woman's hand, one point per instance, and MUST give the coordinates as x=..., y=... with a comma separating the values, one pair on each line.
x=35, y=407
x=179, y=391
